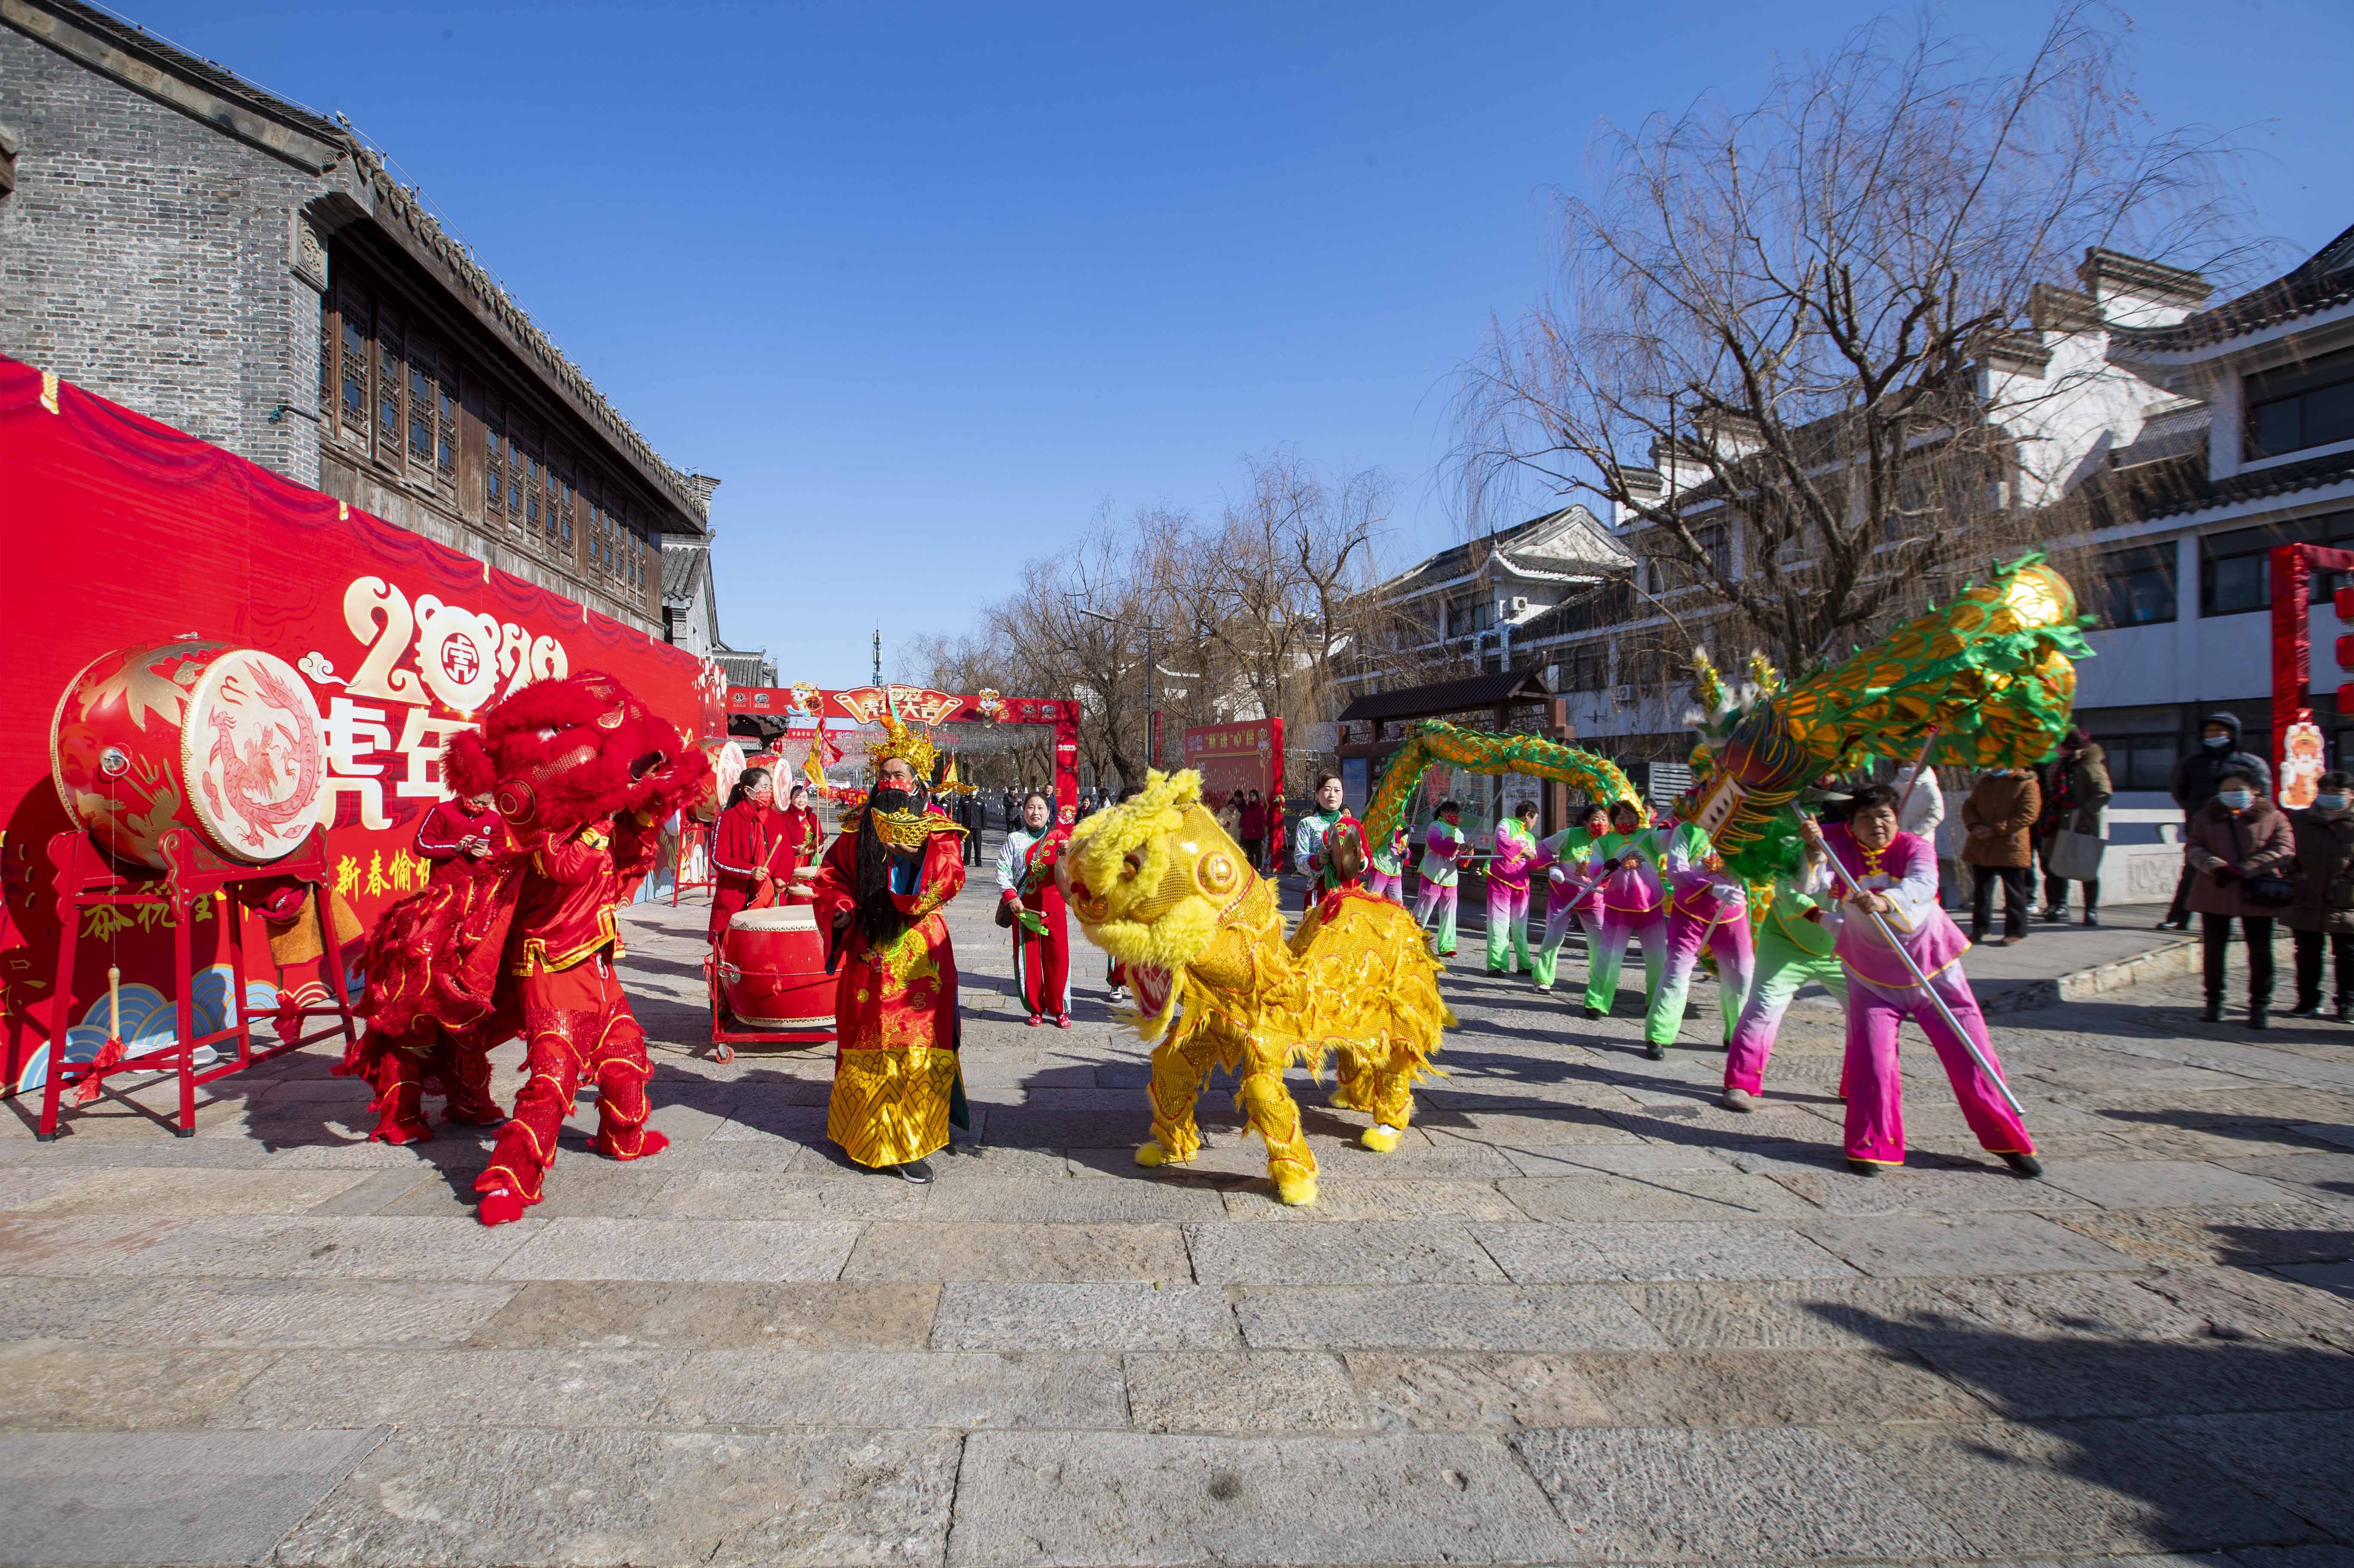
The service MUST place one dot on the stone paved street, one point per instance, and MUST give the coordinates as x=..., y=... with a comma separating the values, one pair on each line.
x=1581, y=1315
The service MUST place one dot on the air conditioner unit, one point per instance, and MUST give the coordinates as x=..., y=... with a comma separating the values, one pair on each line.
x=1520, y=603
x=1622, y=695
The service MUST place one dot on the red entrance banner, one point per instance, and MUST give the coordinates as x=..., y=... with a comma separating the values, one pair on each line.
x=1246, y=756
x=122, y=531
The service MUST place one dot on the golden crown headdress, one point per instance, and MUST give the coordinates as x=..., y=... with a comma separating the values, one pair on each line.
x=912, y=746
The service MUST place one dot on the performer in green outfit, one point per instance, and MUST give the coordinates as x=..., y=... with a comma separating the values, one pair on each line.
x=1632, y=902
x=1793, y=947
x=1515, y=852
x=1444, y=848
x=1567, y=860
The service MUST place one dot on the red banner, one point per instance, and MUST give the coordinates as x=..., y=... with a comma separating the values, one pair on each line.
x=1247, y=755
x=122, y=531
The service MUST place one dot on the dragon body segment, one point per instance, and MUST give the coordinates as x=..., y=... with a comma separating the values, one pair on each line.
x=1488, y=752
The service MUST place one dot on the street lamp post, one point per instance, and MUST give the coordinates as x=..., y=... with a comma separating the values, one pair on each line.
x=1151, y=689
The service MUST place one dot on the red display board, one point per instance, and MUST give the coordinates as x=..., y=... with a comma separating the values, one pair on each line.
x=1246, y=756
x=120, y=530
x=2298, y=755
x=922, y=705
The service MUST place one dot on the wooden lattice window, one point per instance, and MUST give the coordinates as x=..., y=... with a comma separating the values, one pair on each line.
x=390, y=426
x=445, y=457
x=495, y=467
x=354, y=313
x=423, y=374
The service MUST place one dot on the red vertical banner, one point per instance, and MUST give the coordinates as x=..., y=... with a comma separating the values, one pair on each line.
x=2292, y=650
x=1154, y=760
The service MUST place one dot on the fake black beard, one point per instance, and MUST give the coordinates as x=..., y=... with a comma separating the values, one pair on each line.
x=878, y=917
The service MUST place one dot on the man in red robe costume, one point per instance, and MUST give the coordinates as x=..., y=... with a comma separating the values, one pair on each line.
x=897, y=1085
x=521, y=941
x=750, y=854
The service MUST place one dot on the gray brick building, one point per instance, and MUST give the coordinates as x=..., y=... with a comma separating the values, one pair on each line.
x=232, y=264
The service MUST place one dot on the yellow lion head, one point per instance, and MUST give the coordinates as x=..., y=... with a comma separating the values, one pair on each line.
x=1151, y=878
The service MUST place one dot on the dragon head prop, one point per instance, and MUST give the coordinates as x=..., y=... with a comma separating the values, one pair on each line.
x=559, y=754
x=1154, y=881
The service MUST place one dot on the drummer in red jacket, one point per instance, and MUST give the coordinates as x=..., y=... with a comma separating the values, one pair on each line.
x=456, y=831
x=749, y=853
x=803, y=836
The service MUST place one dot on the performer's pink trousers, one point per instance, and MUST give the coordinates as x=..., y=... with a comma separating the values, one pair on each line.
x=1387, y=884
x=1688, y=936
x=1875, y=1090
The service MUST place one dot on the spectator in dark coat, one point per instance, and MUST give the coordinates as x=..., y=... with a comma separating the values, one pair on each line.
x=2237, y=836
x=2323, y=914
x=2001, y=808
x=2193, y=784
x=2075, y=797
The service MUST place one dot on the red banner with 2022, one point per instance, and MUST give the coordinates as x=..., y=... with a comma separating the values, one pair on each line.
x=122, y=531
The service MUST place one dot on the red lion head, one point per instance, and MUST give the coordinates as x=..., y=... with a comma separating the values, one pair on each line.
x=559, y=754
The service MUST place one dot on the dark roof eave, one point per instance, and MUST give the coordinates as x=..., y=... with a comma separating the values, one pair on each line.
x=1442, y=697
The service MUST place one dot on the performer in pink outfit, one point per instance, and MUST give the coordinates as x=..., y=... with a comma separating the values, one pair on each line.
x=1628, y=900
x=1898, y=875
x=1708, y=911
x=1515, y=851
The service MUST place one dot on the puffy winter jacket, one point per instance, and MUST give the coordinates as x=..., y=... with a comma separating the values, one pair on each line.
x=2193, y=783
x=2227, y=847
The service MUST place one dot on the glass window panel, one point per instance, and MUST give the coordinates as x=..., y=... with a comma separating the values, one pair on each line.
x=2276, y=428
x=2329, y=415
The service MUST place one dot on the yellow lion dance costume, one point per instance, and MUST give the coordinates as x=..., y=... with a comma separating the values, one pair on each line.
x=1158, y=884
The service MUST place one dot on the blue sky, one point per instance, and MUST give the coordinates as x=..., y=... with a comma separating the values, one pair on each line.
x=925, y=284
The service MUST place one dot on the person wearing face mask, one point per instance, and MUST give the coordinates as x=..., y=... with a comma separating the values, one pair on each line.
x=1042, y=958
x=2240, y=846
x=2076, y=793
x=2001, y=808
x=2194, y=783
x=2323, y=914
x=751, y=860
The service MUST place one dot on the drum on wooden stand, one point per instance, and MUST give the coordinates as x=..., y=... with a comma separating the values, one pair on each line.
x=772, y=970
x=196, y=733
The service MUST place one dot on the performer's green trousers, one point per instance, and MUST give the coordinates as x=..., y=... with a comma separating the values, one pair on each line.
x=1783, y=967
x=1608, y=953
x=1545, y=959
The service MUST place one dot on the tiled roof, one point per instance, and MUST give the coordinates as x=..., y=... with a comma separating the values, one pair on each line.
x=1459, y=559
x=1448, y=697
x=2180, y=484
x=2324, y=279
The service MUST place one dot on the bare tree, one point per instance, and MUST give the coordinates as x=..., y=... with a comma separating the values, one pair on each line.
x=1799, y=313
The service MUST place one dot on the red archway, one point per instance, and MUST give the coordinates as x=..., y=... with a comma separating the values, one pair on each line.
x=921, y=704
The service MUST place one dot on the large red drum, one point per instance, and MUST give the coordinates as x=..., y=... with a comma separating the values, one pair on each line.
x=772, y=970
x=191, y=733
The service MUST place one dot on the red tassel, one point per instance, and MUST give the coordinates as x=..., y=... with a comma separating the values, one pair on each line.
x=109, y=1055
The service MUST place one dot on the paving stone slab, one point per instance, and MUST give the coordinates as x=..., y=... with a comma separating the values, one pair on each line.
x=2079, y=1378
x=1902, y=1245
x=369, y=1246
x=2243, y=1237
x=819, y=1390
x=46, y=1386
x=456, y=1388
x=1373, y=1252
x=684, y=1249
x=2158, y=1183
x=1256, y=1391
x=20, y=1188
x=704, y=1314
x=2110, y=1306
x=1626, y=1157
x=1357, y=1199
x=2297, y=1460
x=1441, y=1318
x=2323, y=1177
x=248, y=1314
x=1077, y=1199
x=1104, y=1316
x=491, y=1495
x=1489, y=1392
x=1824, y=1314
x=2068, y=1488
x=165, y=1497
x=1774, y=1388
x=1676, y=1495
x=1079, y=1498
x=69, y=1246
x=1537, y=1254
x=1907, y=1190
x=1020, y=1252
x=1715, y=1194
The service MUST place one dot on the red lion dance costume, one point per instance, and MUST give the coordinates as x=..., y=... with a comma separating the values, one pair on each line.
x=522, y=941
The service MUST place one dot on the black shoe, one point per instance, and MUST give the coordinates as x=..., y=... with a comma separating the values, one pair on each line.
x=1862, y=1168
x=2026, y=1166
x=1655, y=1051
x=2056, y=914
x=917, y=1171
x=2306, y=1009
x=1593, y=1012
x=2346, y=1010
x=2092, y=918
x=2256, y=1019
x=2211, y=1013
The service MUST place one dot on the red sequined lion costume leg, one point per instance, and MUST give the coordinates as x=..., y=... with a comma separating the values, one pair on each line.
x=522, y=940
